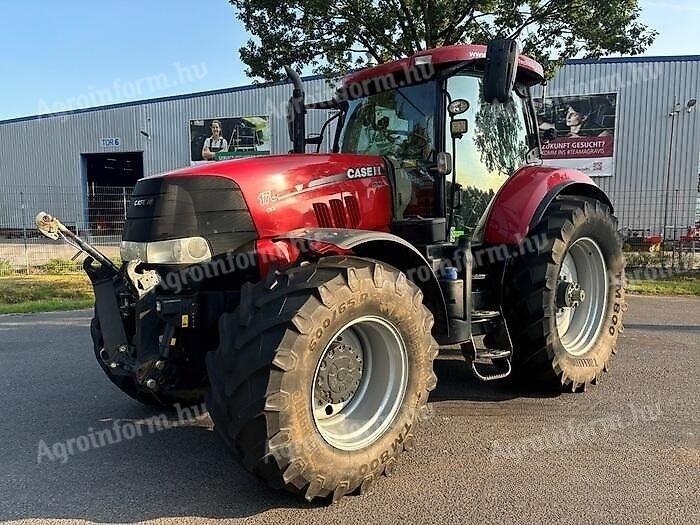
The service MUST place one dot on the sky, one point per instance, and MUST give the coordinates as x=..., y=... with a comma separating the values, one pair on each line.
x=66, y=55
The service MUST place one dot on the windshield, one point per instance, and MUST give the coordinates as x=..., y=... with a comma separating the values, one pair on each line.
x=398, y=123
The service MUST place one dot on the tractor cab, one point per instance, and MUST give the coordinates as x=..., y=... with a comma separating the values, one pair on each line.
x=452, y=124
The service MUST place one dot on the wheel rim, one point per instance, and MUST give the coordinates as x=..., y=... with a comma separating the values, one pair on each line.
x=359, y=383
x=583, y=275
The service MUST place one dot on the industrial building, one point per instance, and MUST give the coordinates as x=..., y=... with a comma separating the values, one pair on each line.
x=60, y=161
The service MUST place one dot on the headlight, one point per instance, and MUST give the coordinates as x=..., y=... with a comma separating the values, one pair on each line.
x=177, y=251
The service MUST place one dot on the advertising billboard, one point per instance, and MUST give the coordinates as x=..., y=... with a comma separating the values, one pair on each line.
x=578, y=131
x=228, y=137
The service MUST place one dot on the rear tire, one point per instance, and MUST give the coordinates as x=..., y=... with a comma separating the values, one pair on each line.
x=264, y=375
x=576, y=237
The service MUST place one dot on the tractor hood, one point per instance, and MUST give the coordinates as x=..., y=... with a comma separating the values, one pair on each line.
x=263, y=197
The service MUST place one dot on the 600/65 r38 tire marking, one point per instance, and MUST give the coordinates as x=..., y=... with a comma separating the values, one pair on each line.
x=263, y=401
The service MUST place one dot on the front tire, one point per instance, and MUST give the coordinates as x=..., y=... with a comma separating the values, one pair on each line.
x=352, y=329
x=564, y=297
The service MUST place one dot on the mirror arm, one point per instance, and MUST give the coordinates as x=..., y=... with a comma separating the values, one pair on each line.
x=318, y=139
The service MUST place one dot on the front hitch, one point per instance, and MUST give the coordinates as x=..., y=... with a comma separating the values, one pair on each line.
x=136, y=331
x=111, y=293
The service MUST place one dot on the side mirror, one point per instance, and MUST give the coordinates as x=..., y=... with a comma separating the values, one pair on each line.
x=500, y=70
x=444, y=163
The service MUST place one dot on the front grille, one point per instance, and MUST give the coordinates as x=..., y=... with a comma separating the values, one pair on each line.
x=164, y=208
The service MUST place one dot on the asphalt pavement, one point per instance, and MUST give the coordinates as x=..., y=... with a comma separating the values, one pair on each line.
x=627, y=451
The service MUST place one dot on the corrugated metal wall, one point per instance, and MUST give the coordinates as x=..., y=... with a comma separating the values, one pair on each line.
x=46, y=152
x=168, y=121
x=647, y=92
x=41, y=153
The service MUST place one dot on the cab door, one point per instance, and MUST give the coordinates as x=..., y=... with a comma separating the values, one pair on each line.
x=495, y=145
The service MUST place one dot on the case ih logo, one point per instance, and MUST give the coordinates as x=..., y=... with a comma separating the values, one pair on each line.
x=365, y=171
x=139, y=203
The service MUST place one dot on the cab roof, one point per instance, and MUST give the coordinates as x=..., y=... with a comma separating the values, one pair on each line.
x=528, y=68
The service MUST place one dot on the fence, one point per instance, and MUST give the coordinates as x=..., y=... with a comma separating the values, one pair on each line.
x=97, y=215
x=658, y=228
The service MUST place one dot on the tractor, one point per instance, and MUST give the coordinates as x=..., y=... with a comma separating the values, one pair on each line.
x=305, y=296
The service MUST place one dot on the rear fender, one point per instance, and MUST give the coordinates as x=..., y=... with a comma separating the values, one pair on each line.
x=379, y=246
x=522, y=201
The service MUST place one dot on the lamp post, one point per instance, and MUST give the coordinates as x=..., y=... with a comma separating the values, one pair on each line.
x=677, y=108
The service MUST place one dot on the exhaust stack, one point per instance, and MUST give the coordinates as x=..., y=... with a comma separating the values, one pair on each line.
x=296, y=113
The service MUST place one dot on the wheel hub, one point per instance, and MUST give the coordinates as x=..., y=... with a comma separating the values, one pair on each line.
x=569, y=294
x=339, y=374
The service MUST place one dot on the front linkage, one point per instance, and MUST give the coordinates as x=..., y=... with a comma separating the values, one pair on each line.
x=140, y=357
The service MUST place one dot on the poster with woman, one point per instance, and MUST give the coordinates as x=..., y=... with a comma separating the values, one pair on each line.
x=578, y=131
x=226, y=138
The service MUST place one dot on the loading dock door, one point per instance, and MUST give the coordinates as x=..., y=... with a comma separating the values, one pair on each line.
x=109, y=179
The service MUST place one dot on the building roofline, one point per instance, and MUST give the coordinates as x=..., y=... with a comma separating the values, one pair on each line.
x=236, y=89
x=169, y=98
x=632, y=60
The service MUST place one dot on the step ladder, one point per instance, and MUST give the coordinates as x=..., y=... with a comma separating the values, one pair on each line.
x=490, y=364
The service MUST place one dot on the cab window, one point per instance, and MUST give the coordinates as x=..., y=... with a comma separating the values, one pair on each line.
x=400, y=125
x=397, y=123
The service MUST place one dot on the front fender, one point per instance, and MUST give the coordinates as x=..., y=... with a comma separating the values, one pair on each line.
x=524, y=198
x=384, y=247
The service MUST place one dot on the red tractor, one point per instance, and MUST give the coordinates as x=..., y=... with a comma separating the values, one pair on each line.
x=692, y=235
x=307, y=295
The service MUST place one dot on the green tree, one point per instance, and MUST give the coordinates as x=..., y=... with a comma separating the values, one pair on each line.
x=331, y=37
